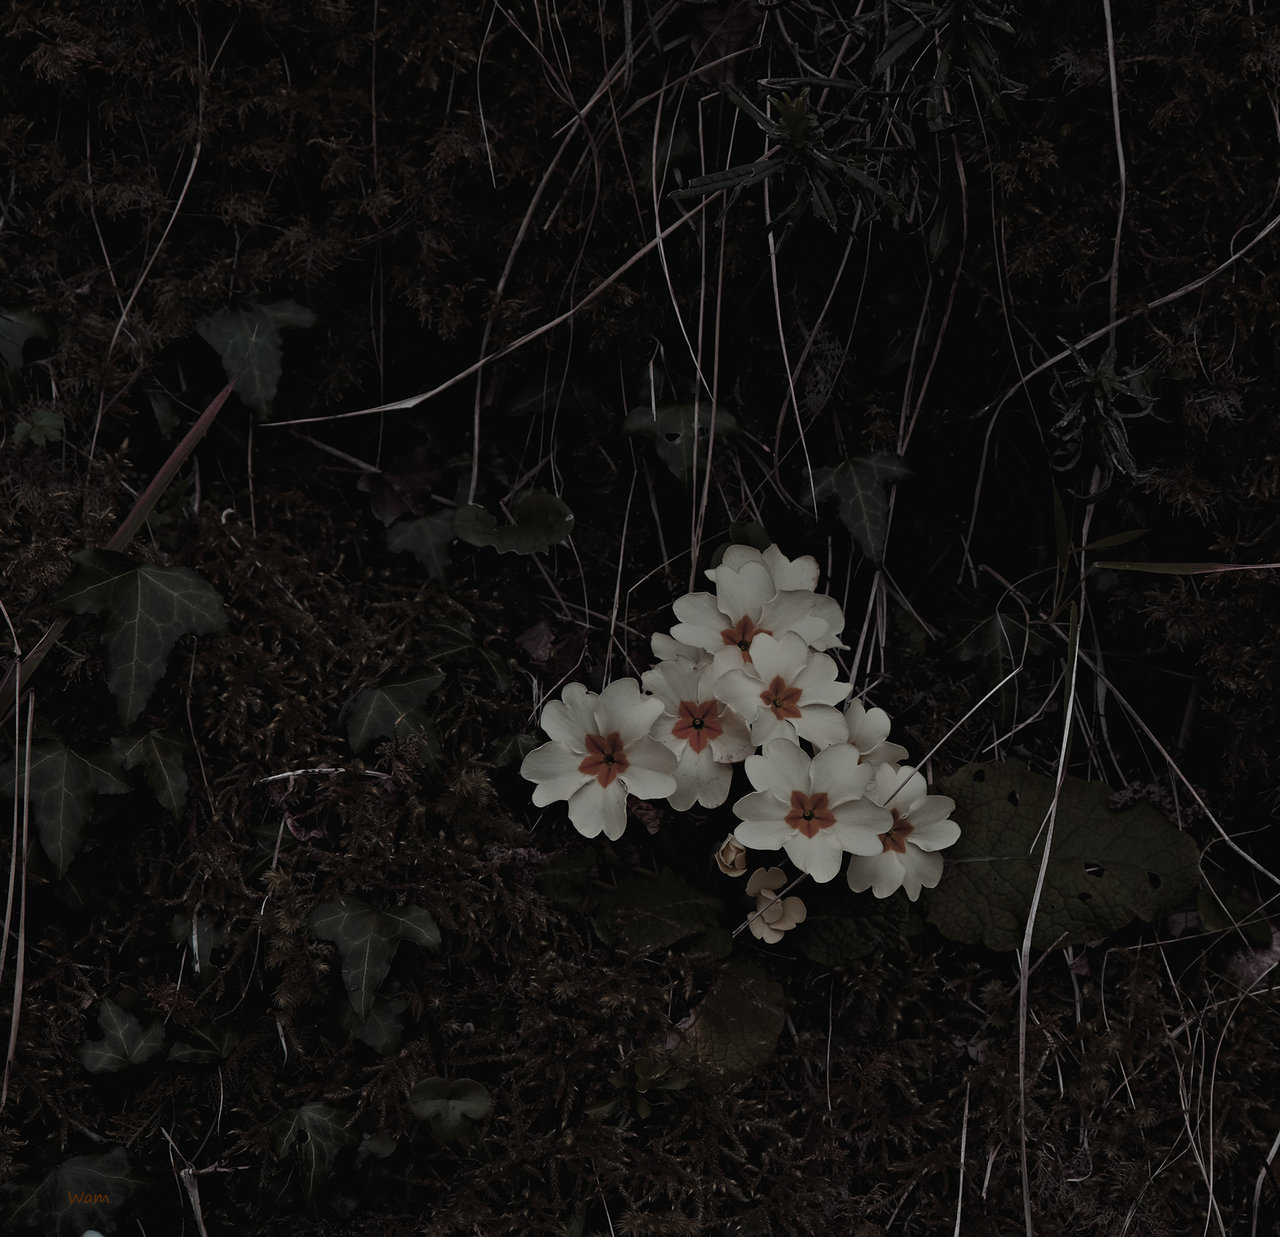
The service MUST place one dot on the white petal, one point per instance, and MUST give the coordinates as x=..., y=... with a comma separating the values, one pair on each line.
x=799, y=574
x=935, y=834
x=744, y=592
x=819, y=855
x=762, y=834
x=882, y=874
x=597, y=809
x=650, y=770
x=921, y=870
x=818, y=682
x=782, y=768
x=740, y=690
x=837, y=771
x=899, y=787
x=932, y=810
x=572, y=718
x=733, y=744
x=700, y=779
x=555, y=770
x=624, y=709
x=778, y=658
x=821, y=725
x=667, y=648
x=859, y=825
x=735, y=557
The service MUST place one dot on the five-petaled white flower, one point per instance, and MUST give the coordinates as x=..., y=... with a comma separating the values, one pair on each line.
x=908, y=857
x=600, y=749
x=812, y=808
x=869, y=733
x=773, y=915
x=747, y=602
x=788, y=692
x=705, y=734
x=798, y=575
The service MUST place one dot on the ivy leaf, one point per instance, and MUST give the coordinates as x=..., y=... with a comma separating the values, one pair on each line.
x=124, y=1041
x=859, y=485
x=1105, y=868
x=735, y=1027
x=676, y=428
x=427, y=538
x=542, y=520
x=450, y=1107
x=17, y=326
x=366, y=941
x=394, y=711
x=211, y=1044
x=249, y=342
x=382, y=1030
x=415, y=925
x=317, y=1133
x=148, y=608
x=81, y=1194
x=161, y=759
x=648, y=913
x=63, y=784
x=453, y=638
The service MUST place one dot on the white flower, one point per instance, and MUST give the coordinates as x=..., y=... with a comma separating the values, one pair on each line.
x=799, y=574
x=908, y=857
x=812, y=809
x=747, y=602
x=665, y=648
x=788, y=692
x=773, y=915
x=869, y=733
x=599, y=751
x=706, y=735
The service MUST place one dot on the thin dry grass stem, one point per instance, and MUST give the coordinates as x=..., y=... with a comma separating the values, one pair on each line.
x=617, y=579
x=964, y=1142
x=1113, y=275
x=1024, y=956
x=782, y=345
x=516, y=344
x=997, y=406
x=21, y=840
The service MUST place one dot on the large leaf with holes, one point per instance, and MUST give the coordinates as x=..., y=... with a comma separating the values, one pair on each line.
x=681, y=433
x=123, y=1043
x=148, y=609
x=63, y=785
x=735, y=1027
x=82, y=1194
x=315, y=1133
x=860, y=487
x=1106, y=868
x=541, y=521
x=251, y=347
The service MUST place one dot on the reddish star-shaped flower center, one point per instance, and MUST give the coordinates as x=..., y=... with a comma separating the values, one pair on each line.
x=605, y=758
x=698, y=723
x=742, y=633
x=809, y=813
x=783, y=700
x=896, y=839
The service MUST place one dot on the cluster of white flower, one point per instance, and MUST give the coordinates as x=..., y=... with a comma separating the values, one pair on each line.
x=744, y=678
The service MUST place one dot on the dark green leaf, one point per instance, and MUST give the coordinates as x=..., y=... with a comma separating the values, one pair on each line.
x=82, y=1193
x=161, y=758
x=366, y=942
x=17, y=326
x=427, y=538
x=316, y=1133
x=394, y=711
x=415, y=925
x=382, y=1030
x=1105, y=868
x=648, y=913
x=859, y=485
x=541, y=521
x=124, y=1041
x=63, y=784
x=148, y=608
x=249, y=342
x=735, y=1027
x=208, y=1043
x=676, y=429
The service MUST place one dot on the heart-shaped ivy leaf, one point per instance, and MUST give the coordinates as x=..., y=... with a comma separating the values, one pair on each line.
x=681, y=433
x=541, y=521
x=860, y=487
x=394, y=711
x=249, y=342
x=124, y=1041
x=161, y=759
x=316, y=1133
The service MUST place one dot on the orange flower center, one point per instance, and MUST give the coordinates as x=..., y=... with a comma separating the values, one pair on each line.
x=605, y=758
x=809, y=813
x=742, y=633
x=783, y=700
x=697, y=723
x=896, y=839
